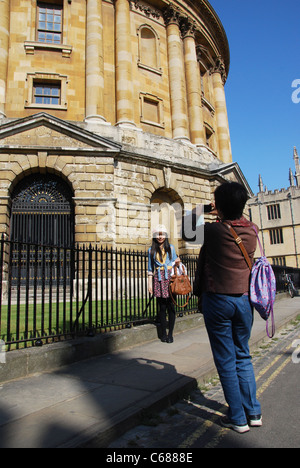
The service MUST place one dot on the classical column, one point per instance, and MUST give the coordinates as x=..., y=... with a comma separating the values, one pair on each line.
x=179, y=111
x=124, y=86
x=94, y=61
x=193, y=83
x=4, y=40
x=219, y=76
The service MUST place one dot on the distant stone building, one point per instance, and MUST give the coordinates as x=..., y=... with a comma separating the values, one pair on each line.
x=109, y=107
x=277, y=213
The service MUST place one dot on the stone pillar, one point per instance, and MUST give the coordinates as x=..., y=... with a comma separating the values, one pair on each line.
x=179, y=111
x=124, y=85
x=219, y=76
x=193, y=84
x=94, y=61
x=4, y=42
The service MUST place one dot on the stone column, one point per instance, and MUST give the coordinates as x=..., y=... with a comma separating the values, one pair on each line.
x=4, y=42
x=219, y=76
x=94, y=61
x=124, y=85
x=193, y=84
x=179, y=111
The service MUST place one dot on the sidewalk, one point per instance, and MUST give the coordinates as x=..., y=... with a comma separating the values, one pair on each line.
x=91, y=402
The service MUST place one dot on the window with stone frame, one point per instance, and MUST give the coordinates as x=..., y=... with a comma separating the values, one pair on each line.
x=49, y=21
x=279, y=261
x=48, y=93
x=276, y=236
x=273, y=211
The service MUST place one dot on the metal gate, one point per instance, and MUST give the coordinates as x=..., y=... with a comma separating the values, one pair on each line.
x=42, y=215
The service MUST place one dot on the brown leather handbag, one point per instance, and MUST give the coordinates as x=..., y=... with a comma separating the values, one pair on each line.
x=180, y=285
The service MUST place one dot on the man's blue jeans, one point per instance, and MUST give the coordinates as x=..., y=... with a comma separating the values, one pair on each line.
x=229, y=321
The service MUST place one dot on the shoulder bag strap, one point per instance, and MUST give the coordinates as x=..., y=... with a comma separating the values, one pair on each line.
x=239, y=242
x=262, y=252
x=175, y=303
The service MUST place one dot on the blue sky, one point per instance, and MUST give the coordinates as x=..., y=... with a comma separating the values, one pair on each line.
x=264, y=41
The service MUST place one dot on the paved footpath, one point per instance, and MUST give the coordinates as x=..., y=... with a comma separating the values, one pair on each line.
x=91, y=402
x=195, y=421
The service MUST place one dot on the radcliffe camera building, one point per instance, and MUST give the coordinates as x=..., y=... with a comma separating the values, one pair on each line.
x=108, y=108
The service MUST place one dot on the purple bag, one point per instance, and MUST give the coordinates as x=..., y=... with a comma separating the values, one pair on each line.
x=263, y=288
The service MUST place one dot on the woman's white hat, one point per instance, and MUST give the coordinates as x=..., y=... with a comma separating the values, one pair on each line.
x=160, y=228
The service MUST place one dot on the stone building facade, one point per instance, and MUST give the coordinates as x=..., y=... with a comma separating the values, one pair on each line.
x=277, y=213
x=108, y=108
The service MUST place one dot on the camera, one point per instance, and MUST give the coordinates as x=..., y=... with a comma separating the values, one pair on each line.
x=208, y=208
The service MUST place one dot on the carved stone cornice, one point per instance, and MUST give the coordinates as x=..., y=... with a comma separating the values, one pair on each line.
x=171, y=15
x=219, y=67
x=187, y=27
x=149, y=12
x=208, y=15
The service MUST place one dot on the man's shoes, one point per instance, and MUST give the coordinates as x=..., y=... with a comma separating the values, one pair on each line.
x=235, y=427
x=255, y=421
x=170, y=339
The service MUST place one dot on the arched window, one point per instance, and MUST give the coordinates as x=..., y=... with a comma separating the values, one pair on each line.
x=42, y=211
x=167, y=209
x=42, y=230
x=148, y=49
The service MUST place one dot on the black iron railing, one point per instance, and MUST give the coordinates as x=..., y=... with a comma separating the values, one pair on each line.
x=49, y=293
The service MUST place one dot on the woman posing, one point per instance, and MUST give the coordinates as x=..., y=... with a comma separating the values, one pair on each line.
x=161, y=258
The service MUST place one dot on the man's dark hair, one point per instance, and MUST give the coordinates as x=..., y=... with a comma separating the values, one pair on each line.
x=231, y=199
